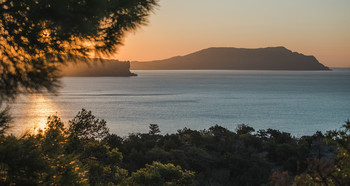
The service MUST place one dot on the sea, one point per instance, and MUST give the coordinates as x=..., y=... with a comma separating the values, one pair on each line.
x=298, y=102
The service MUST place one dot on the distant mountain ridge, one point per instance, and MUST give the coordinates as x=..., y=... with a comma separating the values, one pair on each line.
x=229, y=58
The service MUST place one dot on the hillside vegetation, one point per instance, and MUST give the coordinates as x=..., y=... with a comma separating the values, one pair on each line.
x=83, y=152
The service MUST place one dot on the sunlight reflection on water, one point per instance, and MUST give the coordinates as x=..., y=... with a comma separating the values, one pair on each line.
x=33, y=114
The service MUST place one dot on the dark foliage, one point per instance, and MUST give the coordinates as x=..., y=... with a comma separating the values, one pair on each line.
x=85, y=153
x=77, y=156
x=223, y=157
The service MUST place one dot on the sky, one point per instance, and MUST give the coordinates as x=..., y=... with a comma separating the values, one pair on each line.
x=178, y=27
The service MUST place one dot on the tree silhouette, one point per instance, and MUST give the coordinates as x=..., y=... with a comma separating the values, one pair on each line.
x=85, y=126
x=154, y=129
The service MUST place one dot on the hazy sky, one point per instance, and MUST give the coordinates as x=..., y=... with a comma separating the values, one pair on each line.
x=178, y=27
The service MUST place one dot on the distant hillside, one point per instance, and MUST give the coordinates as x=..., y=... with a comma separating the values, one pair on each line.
x=97, y=68
x=271, y=58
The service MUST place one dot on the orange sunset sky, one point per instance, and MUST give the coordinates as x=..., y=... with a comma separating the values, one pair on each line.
x=178, y=27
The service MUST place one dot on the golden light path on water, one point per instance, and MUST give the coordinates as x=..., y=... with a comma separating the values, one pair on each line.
x=30, y=113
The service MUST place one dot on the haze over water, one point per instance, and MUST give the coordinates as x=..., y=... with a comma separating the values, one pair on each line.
x=299, y=102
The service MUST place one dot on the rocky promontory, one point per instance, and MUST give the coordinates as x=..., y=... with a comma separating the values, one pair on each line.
x=98, y=68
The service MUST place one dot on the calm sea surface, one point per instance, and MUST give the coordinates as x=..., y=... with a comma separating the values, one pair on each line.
x=297, y=102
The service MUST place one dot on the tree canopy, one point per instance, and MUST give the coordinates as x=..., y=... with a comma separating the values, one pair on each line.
x=83, y=152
